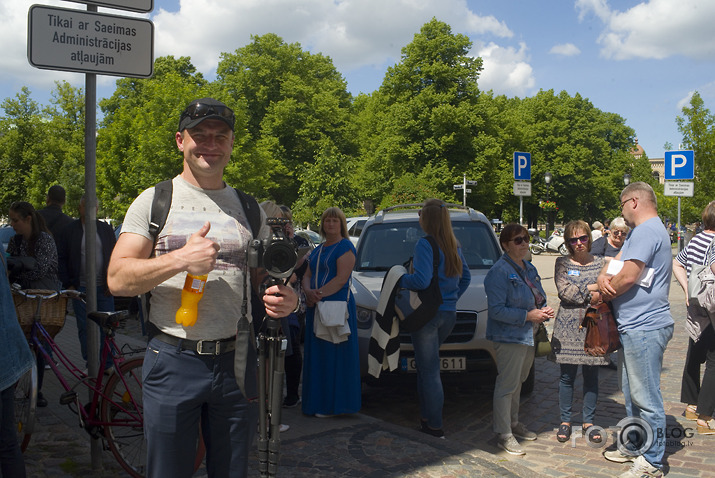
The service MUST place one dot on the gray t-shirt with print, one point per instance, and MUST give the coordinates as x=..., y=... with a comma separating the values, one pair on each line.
x=191, y=206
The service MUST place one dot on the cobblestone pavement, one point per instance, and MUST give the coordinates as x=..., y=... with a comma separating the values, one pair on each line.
x=383, y=440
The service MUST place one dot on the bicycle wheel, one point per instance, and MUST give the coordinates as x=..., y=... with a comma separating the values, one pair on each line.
x=25, y=405
x=121, y=414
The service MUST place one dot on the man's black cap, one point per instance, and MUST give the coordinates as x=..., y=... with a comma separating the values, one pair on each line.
x=203, y=109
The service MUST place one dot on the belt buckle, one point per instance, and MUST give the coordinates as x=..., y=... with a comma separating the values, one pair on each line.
x=200, y=347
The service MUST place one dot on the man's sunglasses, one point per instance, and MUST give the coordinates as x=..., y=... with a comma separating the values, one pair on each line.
x=200, y=110
x=518, y=240
x=618, y=233
x=575, y=240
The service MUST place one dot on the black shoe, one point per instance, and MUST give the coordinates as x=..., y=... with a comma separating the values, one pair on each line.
x=291, y=402
x=439, y=433
x=41, y=400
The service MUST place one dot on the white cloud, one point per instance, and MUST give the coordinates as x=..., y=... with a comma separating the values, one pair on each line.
x=354, y=33
x=565, y=49
x=506, y=70
x=655, y=29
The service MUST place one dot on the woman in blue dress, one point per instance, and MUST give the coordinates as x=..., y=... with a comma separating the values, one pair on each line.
x=331, y=370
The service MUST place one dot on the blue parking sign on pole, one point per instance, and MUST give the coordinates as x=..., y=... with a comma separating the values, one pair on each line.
x=522, y=166
x=679, y=165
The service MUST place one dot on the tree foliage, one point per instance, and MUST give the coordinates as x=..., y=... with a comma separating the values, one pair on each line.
x=304, y=141
x=697, y=126
x=296, y=103
x=40, y=147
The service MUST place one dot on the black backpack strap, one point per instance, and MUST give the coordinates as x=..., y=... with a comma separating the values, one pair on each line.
x=252, y=210
x=160, y=207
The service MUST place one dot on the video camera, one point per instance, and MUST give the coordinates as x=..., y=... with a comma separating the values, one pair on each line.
x=276, y=254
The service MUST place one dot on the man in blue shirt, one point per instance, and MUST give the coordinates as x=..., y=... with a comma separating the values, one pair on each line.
x=645, y=326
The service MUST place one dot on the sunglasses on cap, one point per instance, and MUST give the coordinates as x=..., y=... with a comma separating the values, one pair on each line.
x=200, y=110
x=575, y=240
x=519, y=239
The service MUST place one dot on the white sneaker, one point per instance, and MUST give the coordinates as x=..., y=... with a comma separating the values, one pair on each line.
x=284, y=427
x=617, y=457
x=520, y=431
x=642, y=469
x=510, y=445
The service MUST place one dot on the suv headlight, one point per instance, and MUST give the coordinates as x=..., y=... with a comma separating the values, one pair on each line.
x=365, y=317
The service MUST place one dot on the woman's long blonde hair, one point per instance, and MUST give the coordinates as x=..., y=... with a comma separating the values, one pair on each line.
x=436, y=223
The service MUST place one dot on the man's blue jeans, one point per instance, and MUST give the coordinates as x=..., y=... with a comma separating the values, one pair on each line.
x=105, y=303
x=180, y=388
x=426, y=343
x=642, y=364
x=590, y=391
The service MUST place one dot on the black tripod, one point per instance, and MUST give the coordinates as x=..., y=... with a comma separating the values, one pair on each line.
x=271, y=345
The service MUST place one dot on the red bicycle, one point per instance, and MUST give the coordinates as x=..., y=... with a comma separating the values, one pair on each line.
x=114, y=412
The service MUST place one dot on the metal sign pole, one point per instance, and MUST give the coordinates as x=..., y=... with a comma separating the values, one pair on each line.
x=90, y=232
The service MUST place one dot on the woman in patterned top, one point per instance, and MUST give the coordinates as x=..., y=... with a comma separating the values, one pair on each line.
x=575, y=277
x=32, y=239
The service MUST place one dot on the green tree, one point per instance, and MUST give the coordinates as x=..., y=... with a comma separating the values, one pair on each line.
x=296, y=102
x=697, y=125
x=324, y=184
x=584, y=148
x=40, y=147
x=424, y=112
x=136, y=145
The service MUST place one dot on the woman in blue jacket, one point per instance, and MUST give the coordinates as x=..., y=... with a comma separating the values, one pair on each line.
x=454, y=278
x=517, y=304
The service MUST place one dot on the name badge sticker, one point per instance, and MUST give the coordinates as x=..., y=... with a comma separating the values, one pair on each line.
x=575, y=273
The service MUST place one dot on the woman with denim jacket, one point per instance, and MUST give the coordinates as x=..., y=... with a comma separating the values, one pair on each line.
x=517, y=304
x=17, y=359
x=454, y=278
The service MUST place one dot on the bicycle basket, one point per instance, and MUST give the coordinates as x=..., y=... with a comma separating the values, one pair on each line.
x=52, y=311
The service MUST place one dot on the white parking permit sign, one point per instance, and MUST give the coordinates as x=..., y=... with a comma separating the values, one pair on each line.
x=522, y=188
x=89, y=42
x=679, y=188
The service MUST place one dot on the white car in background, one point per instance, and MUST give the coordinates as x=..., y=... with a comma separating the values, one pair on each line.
x=355, y=226
x=389, y=239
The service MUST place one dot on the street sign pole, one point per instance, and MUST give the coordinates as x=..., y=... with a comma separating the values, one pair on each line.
x=679, y=165
x=464, y=188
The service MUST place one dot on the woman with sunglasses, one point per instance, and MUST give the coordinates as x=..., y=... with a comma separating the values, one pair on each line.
x=610, y=244
x=575, y=276
x=517, y=305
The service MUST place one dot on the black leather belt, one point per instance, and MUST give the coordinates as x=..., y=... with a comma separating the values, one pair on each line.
x=201, y=347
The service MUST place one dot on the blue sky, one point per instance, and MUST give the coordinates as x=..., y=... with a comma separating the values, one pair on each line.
x=641, y=60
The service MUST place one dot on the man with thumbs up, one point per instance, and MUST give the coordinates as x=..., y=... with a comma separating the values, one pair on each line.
x=189, y=371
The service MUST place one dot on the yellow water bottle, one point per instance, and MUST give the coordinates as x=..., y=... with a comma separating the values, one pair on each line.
x=190, y=296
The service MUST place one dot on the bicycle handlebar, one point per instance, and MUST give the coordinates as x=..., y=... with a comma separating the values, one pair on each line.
x=71, y=293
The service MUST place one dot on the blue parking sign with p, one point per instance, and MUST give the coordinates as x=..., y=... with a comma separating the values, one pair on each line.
x=522, y=166
x=679, y=165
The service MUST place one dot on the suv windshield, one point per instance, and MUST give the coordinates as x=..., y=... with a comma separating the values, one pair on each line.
x=385, y=245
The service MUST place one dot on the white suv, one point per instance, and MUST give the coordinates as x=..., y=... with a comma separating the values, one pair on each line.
x=388, y=239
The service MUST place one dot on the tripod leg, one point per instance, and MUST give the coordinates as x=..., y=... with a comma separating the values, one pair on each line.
x=278, y=348
x=262, y=411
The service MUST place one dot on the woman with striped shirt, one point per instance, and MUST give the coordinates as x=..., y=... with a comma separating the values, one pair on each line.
x=700, y=398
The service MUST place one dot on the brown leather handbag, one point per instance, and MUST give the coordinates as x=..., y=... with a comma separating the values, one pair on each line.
x=601, y=331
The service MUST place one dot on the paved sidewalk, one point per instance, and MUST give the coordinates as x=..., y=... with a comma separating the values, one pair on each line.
x=365, y=446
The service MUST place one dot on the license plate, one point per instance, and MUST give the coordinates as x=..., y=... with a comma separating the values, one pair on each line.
x=407, y=364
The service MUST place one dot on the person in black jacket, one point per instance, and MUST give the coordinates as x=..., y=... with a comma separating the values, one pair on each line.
x=55, y=219
x=71, y=247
